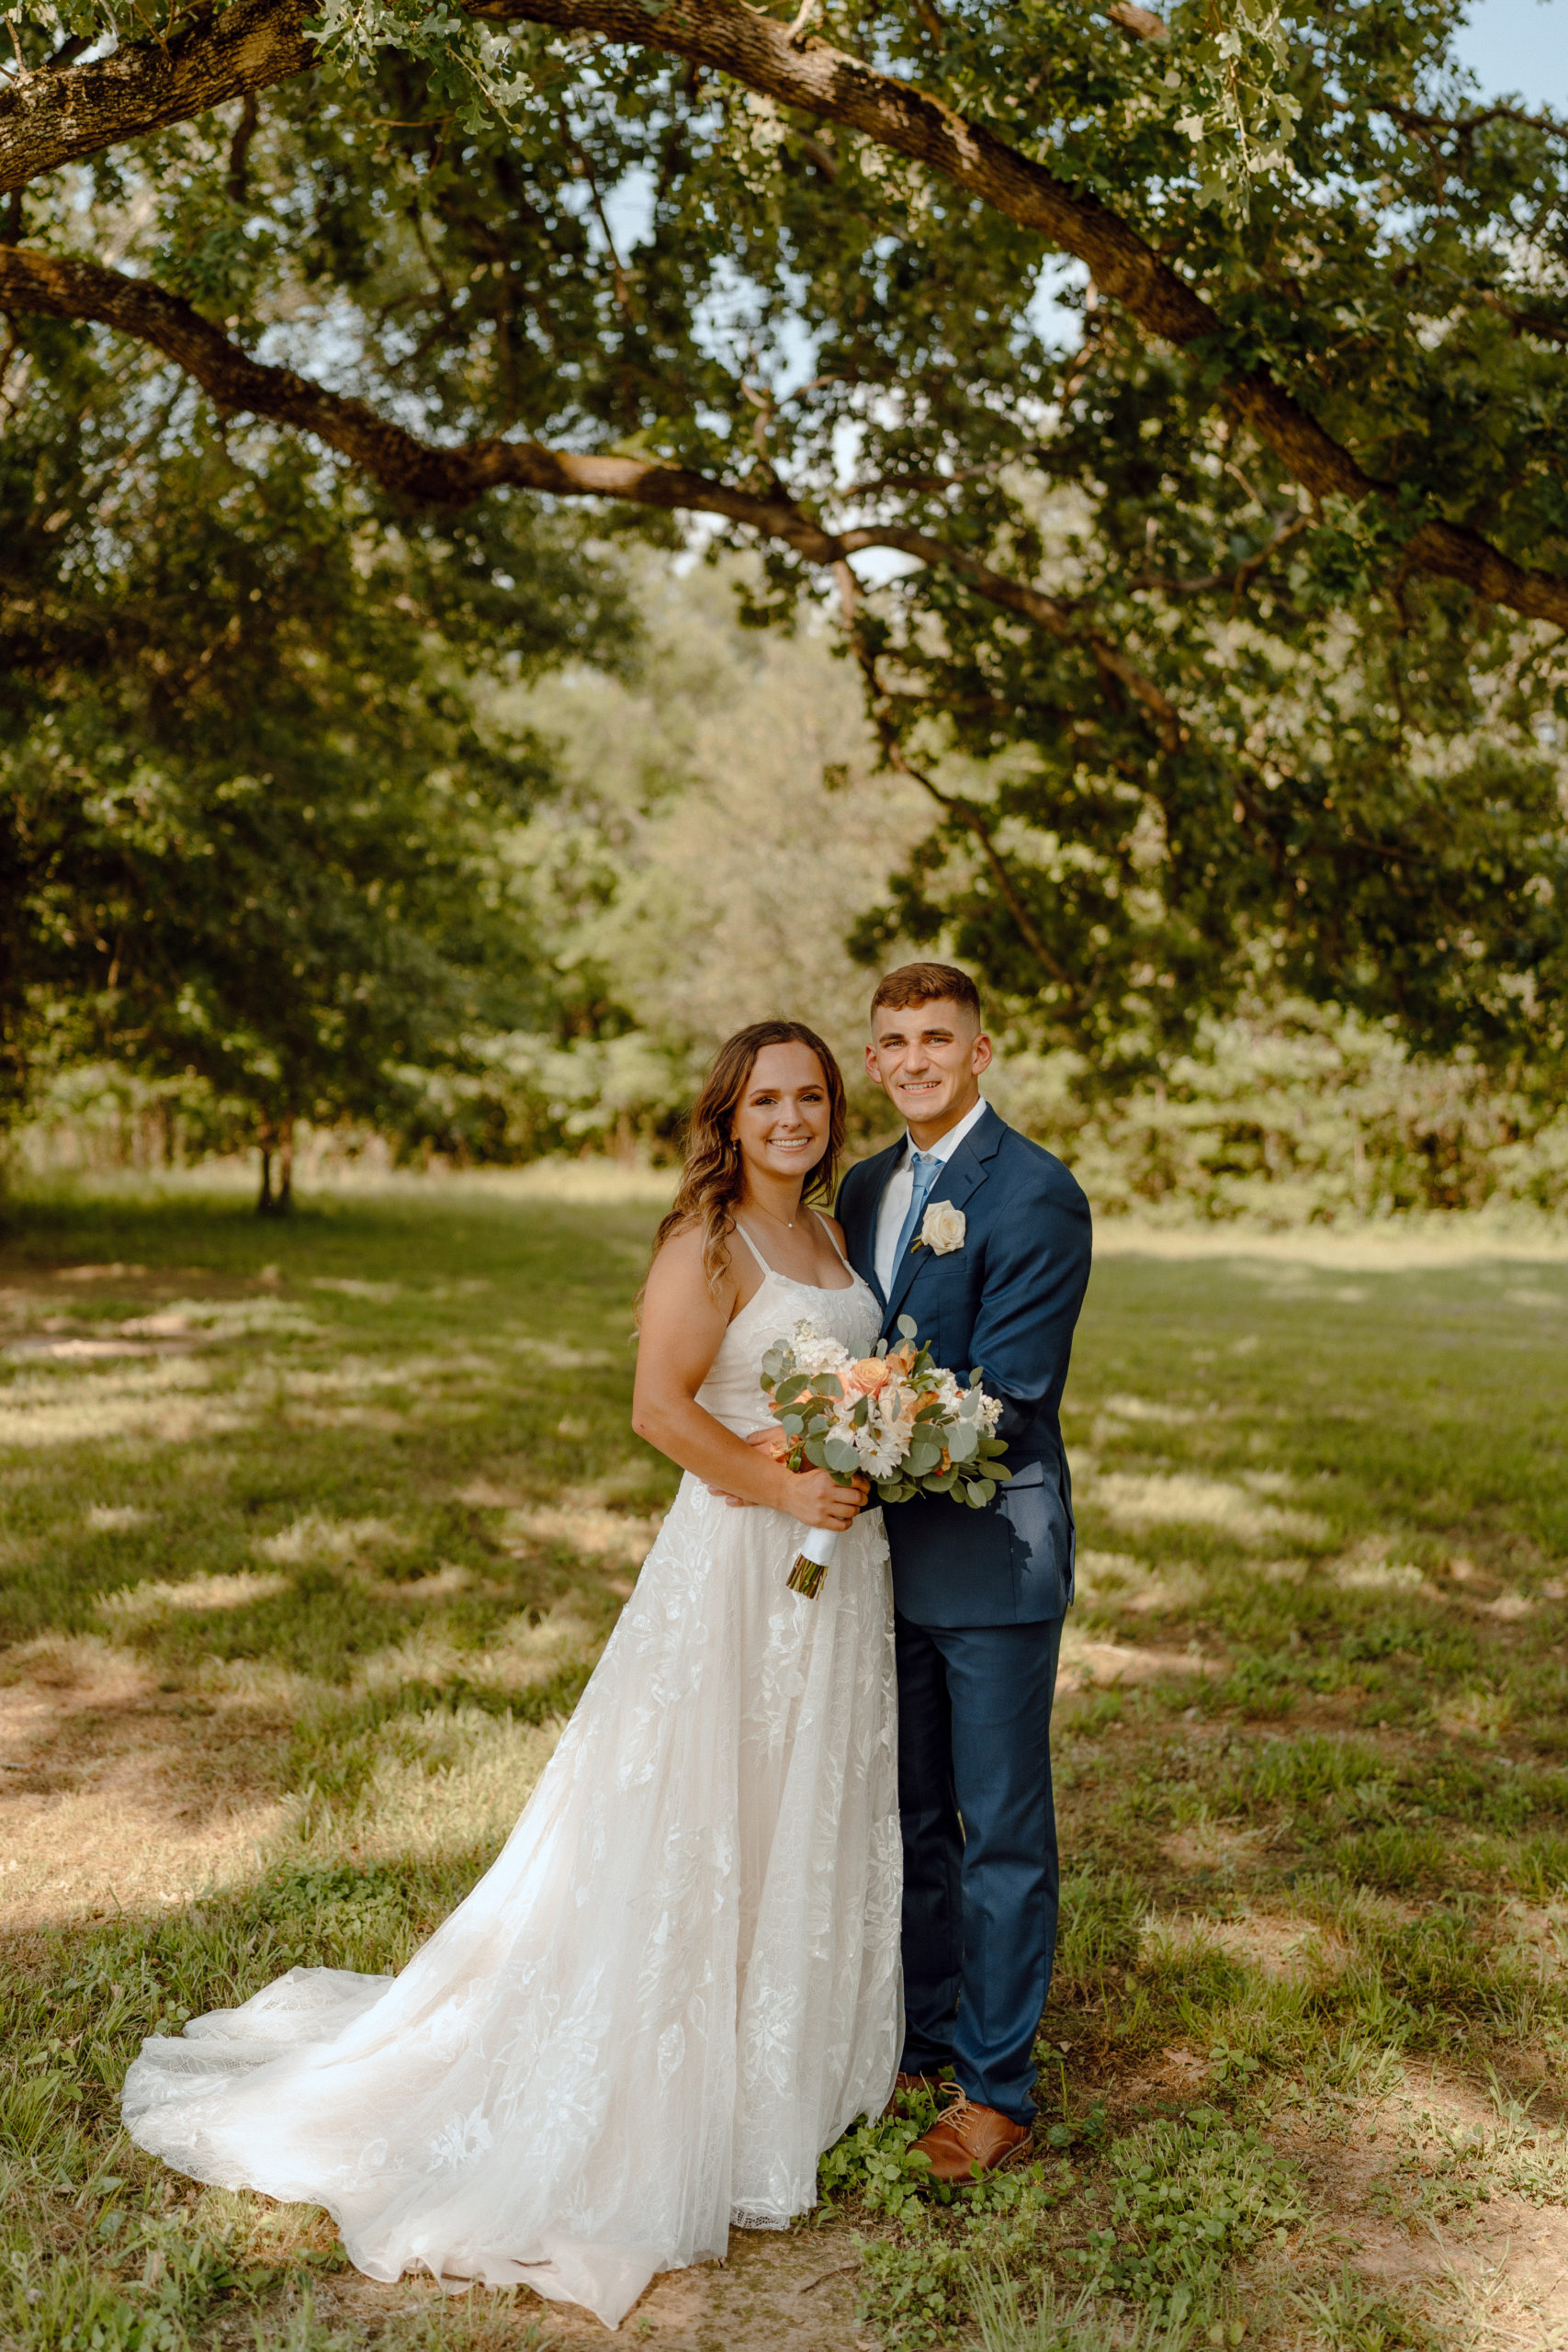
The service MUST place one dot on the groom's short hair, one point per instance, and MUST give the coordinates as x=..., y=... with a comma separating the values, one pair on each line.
x=922, y=984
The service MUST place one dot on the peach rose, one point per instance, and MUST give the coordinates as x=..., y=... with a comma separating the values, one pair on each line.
x=869, y=1375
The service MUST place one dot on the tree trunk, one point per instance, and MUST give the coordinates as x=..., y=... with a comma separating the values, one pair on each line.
x=277, y=1135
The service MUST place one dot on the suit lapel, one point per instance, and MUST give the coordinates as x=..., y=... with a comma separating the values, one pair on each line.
x=862, y=1237
x=962, y=1176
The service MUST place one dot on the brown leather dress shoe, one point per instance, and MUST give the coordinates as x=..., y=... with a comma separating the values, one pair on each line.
x=966, y=2137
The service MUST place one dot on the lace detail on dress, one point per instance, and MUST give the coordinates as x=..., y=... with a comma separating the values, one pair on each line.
x=678, y=1983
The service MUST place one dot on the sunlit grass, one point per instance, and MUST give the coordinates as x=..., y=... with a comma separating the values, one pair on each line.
x=298, y=1590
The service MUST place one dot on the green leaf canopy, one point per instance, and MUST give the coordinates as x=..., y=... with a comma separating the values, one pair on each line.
x=1174, y=406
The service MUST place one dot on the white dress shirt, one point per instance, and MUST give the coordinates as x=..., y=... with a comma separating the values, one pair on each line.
x=901, y=1183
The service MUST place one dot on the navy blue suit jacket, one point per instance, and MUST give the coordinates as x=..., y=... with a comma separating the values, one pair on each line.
x=1006, y=1301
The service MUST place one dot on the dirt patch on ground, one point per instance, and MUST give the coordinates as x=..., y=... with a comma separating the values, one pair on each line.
x=1412, y=2210
x=122, y=1790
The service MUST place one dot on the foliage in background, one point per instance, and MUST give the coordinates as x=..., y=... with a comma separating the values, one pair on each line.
x=719, y=830
x=707, y=826
x=251, y=815
x=691, y=838
x=1291, y=1113
x=1223, y=658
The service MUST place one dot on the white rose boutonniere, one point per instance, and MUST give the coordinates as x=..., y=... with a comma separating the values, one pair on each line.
x=941, y=1230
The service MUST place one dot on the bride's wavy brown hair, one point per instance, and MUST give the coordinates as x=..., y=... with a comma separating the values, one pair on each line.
x=713, y=1175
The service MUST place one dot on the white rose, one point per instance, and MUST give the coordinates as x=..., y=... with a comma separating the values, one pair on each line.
x=944, y=1228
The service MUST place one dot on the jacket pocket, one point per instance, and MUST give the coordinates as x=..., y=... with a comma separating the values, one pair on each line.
x=1040, y=1544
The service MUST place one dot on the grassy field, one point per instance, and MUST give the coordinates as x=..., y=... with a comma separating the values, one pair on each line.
x=312, y=1531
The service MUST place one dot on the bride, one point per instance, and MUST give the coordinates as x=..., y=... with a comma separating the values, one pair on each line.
x=679, y=1983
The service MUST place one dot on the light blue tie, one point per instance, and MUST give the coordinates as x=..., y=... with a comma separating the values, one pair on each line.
x=927, y=1167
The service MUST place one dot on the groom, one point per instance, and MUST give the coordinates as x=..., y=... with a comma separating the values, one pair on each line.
x=979, y=1595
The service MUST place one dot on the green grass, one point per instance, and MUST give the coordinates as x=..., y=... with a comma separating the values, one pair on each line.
x=294, y=1602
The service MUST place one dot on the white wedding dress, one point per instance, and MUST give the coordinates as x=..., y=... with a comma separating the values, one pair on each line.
x=678, y=1983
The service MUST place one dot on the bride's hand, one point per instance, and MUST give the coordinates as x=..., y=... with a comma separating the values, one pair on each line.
x=817, y=1498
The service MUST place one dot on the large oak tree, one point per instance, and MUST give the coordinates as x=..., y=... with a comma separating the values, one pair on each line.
x=1203, y=378
x=254, y=813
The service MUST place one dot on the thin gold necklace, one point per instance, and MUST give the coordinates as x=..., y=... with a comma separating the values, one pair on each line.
x=788, y=1223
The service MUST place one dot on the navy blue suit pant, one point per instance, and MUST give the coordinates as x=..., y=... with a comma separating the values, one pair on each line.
x=981, y=1877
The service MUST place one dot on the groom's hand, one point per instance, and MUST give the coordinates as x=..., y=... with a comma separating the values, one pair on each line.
x=771, y=1442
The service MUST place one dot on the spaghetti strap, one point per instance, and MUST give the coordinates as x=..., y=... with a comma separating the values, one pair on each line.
x=750, y=1245
x=837, y=1251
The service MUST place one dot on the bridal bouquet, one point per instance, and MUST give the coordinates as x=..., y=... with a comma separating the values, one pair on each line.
x=895, y=1415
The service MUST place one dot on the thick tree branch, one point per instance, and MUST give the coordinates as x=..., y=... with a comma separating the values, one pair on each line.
x=398, y=460
x=1142, y=23
x=813, y=76
x=58, y=287
x=51, y=118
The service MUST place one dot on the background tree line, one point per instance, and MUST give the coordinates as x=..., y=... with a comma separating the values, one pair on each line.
x=1151, y=428
x=704, y=828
